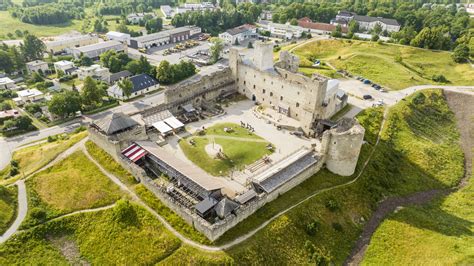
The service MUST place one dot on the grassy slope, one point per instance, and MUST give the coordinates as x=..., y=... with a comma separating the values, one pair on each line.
x=102, y=238
x=115, y=168
x=374, y=61
x=239, y=153
x=390, y=172
x=8, y=203
x=34, y=157
x=73, y=184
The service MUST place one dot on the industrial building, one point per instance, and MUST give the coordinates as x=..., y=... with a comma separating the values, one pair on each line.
x=95, y=50
x=164, y=37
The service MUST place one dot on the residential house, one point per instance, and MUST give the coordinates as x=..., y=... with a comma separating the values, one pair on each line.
x=97, y=72
x=119, y=36
x=8, y=114
x=7, y=84
x=114, y=77
x=28, y=95
x=318, y=28
x=266, y=15
x=141, y=84
x=238, y=34
x=95, y=50
x=36, y=66
x=67, y=67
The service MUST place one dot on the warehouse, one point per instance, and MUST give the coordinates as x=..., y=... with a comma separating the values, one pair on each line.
x=95, y=50
x=164, y=37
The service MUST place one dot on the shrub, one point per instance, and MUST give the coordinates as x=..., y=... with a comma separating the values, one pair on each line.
x=312, y=227
x=125, y=213
x=332, y=205
x=337, y=227
x=14, y=163
x=52, y=138
x=440, y=78
x=14, y=171
x=38, y=214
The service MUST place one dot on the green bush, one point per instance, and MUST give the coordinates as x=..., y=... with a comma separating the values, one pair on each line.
x=312, y=227
x=38, y=214
x=332, y=205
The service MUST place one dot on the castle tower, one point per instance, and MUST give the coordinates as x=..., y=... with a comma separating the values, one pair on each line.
x=263, y=55
x=341, y=146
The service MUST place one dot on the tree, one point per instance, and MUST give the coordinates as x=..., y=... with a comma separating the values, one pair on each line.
x=337, y=33
x=154, y=25
x=433, y=38
x=127, y=86
x=85, y=60
x=6, y=63
x=133, y=66
x=32, y=48
x=163, y=73
x=250, y=45
x=91, y=95
x=461, y=53
x=122, y=27
x=17, y=58
x=65, y=104
x=377, y=29
x=217, y=45
x=294, y=22
x=353, y=26
x=375, y=37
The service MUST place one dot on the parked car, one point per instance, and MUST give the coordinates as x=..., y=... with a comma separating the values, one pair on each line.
x=366, y=81
x=367, y=97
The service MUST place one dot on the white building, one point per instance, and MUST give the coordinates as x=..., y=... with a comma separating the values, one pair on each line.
x=193, y=7
x=36, y=66
x=141, y=84
x=95, y=71
x=30, y=95
x=118, y=36
x=239, y=34
x=366, y=23
x=283, y=31
x=136, y=18
x=7, y=84
x=65, y=43
x=168, y=11
x=65, y=66
x=95, y=50
x=164, y=37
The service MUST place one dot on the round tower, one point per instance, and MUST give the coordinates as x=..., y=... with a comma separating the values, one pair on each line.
x=341, y=146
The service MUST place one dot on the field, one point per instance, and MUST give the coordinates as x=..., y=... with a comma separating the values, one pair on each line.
x=240, y=147
x=8, y=203
x=33, y=158
x=394, y=66
x=73, y=184
x=324, y=227
x=10, y=24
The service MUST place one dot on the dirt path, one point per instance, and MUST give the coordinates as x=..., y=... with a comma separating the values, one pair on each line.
x=230, y=138
x=460, y=104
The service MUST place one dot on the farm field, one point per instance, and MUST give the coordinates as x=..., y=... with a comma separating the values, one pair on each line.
x=239, y=153
x=8, y=205
x=394, y=66
x=33, y=158
x=71, y=185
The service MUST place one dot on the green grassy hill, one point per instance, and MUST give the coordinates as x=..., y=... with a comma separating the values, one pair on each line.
x=8, y=205
x=394, y=66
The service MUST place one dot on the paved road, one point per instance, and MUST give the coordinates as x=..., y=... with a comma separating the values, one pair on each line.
x=21, y=213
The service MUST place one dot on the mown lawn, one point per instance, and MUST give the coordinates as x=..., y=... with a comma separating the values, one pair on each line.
x=125, y=235
x=147, y=196
x=33, y=158
x=73, y=184
x=8, y=206
x=394, y=66
x=10, y=24
x=239, y=153
x=325, y=227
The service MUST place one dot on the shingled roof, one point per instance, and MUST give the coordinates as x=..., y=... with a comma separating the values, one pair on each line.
x=114, y=123
x=225, y=207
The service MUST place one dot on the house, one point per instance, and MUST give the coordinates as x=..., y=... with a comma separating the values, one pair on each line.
x=366, y=23
x=65, y=66
x=167, y=11
x=266, y=15
x=95, y=50
x=283, y=31
x=114, y=77
x=8, y=114
x=319, y=28
x=29, y=95
x=136, y=18
x=141, y=84
x=36, y=66
x=118, y=36
x=239, y=34
x=95, y=71
x=7, y=84
x=65, y=43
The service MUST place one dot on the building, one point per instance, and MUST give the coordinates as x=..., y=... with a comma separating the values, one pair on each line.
x=136, y=18
x=194, y=7
x=65, y=43
x=239, y=34
x=366, y=23
x=8, y=114
x=266, y=15
x=114, y=77
x=7, y=84
x=283, y=31
x=30, y=95
x=119, y=36
x=37, y=66
x=141, y=84
x=95, y=50
x=164, y=37
x=97, y=72
x=319, y=28
x=167, y=11
x=65, y=66
x=282, y=88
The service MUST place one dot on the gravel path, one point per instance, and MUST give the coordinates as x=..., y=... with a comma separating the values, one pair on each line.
x=22, y=210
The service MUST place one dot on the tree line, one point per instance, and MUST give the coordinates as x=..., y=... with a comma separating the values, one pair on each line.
x=53, y=13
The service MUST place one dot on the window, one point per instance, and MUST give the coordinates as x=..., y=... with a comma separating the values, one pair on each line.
x=281, y=98
x=254, y=86
x=271, y=93
x=297, y=104
x=263, y=91
x=244, y=82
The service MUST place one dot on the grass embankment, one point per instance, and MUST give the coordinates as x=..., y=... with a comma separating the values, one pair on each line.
x=148, y=197
x=394, y=66
x=8, y=205
x=33, y=158
x=239, y=153
x=325, y=227
x=71, y=185
x=126, y=234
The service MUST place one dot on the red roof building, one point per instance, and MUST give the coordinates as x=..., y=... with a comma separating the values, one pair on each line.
x=316, y=27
